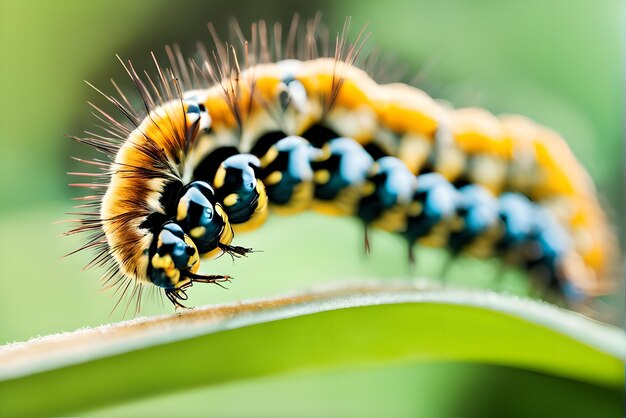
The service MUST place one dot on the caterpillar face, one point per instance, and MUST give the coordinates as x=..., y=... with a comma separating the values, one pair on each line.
x=302, y=133
x=172, y=254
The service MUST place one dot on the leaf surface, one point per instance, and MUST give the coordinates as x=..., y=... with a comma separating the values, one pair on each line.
x=350, y=325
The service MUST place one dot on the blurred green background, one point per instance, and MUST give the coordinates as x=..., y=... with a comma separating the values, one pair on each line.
x=560, y=62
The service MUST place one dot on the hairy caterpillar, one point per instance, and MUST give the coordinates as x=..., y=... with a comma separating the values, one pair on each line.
x=287, y=126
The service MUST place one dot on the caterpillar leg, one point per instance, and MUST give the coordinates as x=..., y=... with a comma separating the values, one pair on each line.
x=209, y=278
x=366, y=240
x=176, y=295
x=235, y=251
x=411, y=255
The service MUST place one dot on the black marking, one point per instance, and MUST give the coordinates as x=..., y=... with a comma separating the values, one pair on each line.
x=461, y=181
x=375, y=151
x=281, y=192
x=207, y=168
x=372, y=207
x=265, y=142
x=318, y=135
x=168, y=201
x=169, y=196
x=438, y=201
x=155, y=221
x=285, y=99
x=329, y=190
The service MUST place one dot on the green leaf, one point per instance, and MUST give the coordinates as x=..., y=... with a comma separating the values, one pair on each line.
x=357, y=325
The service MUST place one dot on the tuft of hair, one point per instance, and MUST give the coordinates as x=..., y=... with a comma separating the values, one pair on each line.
x=144, y=154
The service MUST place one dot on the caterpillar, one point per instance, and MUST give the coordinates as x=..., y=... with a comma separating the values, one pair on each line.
x=288, y=125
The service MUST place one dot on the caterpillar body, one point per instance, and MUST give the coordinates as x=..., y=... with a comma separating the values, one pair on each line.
x=298, y=129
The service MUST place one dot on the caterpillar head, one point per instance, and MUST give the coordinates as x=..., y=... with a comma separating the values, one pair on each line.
x=174, y=261
x=172, y=255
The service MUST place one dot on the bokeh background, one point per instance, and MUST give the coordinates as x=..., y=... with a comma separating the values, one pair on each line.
x=560, y=62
